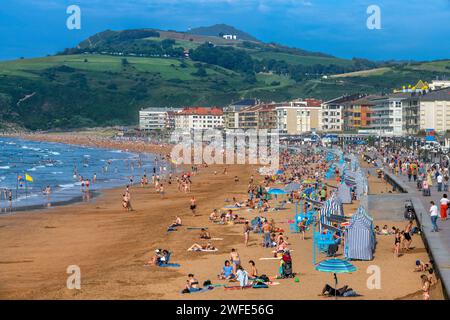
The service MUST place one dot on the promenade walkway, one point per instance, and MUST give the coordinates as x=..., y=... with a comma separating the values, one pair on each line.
x=438, y=243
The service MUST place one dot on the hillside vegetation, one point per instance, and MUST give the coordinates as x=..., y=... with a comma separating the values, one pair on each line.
x=108, y=77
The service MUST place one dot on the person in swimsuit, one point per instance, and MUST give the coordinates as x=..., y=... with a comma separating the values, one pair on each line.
x=235, y=259
x=193, y=206
x=425, y=287
x=253, y=270
x=397, y=242
x=204, y=234
x=192, y=283
x=247, y=230
x=407, y=235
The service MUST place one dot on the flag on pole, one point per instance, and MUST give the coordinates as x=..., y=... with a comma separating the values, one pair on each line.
x=28, y=178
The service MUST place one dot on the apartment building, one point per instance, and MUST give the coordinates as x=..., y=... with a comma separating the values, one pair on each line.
x=332, y=113
x=157, y=118
x=192, y=118
x=231, y=113
x=261, y=116
x=435, y=110
x=299, y=116
x=357, y=114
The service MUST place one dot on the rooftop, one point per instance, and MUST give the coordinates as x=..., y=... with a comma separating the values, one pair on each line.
x=214, y=111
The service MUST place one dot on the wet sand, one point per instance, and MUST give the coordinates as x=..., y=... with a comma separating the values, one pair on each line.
x=111, y=247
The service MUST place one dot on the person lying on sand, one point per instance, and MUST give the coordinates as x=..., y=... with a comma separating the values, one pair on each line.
x=204, y=234
x=330, y=291
x=227, y=272
x=197, y=247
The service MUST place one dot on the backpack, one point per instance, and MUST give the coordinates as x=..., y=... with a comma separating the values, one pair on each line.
x=263, y=278
x=207, y=283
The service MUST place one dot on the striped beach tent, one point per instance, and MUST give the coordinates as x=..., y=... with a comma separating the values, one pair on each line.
x=360, y=237
x=330, y=207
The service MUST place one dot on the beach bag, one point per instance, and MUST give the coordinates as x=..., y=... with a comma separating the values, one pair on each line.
x=207, y=283
x=263, y=278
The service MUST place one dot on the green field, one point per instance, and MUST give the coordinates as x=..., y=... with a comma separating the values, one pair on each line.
x=299, y=59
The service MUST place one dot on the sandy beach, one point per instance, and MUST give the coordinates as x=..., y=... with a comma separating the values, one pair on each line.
x=111, y=246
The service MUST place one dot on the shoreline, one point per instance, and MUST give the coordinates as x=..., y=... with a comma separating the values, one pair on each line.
x=88, y=139
x=87, y=142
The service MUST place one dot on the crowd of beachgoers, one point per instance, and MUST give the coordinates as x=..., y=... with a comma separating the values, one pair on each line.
x=308, y=170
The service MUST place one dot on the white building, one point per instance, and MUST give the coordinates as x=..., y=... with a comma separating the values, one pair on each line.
x=439, y=84
x=230, y=36
x=435, y=110
x=199, y=118
x=156, y=118
x=298, y=117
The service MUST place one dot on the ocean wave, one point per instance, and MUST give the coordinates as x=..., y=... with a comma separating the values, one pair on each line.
x=5, y=167
x=67, y=186
x=57, y=172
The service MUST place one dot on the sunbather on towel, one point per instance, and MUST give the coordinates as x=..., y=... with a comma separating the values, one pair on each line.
x=330, y=291
x=197, y=247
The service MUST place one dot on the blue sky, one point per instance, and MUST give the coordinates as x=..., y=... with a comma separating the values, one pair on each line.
x=414, y=29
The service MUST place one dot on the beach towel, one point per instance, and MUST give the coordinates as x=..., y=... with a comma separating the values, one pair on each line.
x=203, y=250
x=238, y=287
x=270, y=258
x=199, y=290
x=174, y=265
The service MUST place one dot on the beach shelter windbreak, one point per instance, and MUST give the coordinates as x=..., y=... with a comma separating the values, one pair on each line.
x=360, y=237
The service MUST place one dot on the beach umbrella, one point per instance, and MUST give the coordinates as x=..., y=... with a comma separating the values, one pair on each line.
x=335, y=266
x=276, y=191
x=280, y=171
x=292, y=187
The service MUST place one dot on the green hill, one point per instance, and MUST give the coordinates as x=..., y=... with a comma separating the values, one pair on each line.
x=108, y=77
x=219, y=30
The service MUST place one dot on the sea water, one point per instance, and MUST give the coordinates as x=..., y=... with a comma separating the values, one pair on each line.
x=60, y=166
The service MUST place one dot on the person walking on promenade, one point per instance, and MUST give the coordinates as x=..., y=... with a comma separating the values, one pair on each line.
x=444, y=207
x=434, y=217
x=439, y=180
